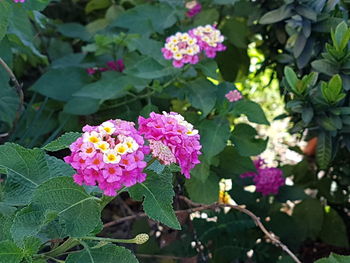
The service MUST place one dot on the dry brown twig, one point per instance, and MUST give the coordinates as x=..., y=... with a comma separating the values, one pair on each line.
x=200, y=207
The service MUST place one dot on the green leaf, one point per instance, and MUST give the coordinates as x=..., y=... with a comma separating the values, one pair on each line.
x=105, y=254
x=334, y=258
x=201, y=171
x=26, y=170
x=206, y=192
x=291, y=77
x=50, y=84
x=207, y=16
x=232, y=163
x=309, y=216
x=10, y=253
x=252, y=110
x=324, y=150
x=74, y=30
x=244, y=138
x=276, y=15
x=335, y=85
x=214, y=136
x=202, y=95
x=9, y=102
x=5, y=12
x=81, y=106
x=325, y=67
x=145, y=19
x=96, y=5
x=334, y=230
x=78, y=211
x=111, y=86
x=62, y=142
x=158, y=195
x=149, y=68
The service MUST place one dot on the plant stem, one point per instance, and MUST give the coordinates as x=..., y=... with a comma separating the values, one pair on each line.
x=111, y=240
x=68, y=244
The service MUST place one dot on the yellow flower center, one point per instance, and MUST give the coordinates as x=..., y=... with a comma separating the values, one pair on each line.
x=94, y=139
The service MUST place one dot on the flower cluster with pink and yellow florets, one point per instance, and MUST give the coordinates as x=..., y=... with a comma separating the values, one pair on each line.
x=184, y=48
x=110, y=155
x=209, y=39
x=172, y=140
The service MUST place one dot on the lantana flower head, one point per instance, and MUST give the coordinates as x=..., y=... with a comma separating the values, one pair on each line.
x=194, y=8
x=182, y=49
x=209, y=39
x=110, y=155
x=267, y=180
x=19, y=1
x=233, y=95
x=110, y=66
x=172, y=140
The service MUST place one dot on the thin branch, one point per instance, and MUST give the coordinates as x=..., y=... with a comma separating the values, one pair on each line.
x=201, y=207
x=18, y=88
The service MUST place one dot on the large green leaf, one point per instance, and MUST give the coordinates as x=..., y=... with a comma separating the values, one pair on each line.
x=232, y=163
x=10, y=253
x=26, y=169
x=105, y=254
x=76, y=210
x=334, y=258
x=334, y=230
x=158, y=195
x=149, y=68
x=111, y=86
x=50, y=84
x=252, y=110
x=145, y=19
x=9, y=102
x=202, y=95
x=74, y=30
x=309, y=215
x=206, y=192
x=81, y=106
x=244, y=138
x=62, y=142
x=5, y=12
x=214, y=136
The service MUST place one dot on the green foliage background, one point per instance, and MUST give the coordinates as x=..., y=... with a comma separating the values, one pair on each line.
x=293, y=50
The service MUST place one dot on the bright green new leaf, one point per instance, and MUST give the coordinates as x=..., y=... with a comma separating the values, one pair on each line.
x=291, y=77
x=158, y=195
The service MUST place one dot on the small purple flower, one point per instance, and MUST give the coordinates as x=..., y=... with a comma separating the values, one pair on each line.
x=193, y=8
x=267, y=180
x=233, y=95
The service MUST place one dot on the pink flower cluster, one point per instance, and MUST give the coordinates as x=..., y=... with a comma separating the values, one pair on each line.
x=110, y=65
x=209, y=39
x=193, y=8
x=19, y=1
x=267, y=180
x=185, y=48
x=172, y=140
x=233, y=95
x=110, y=155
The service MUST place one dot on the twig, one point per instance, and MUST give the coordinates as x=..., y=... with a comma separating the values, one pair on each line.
x=201, y=207
x=18, y=88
